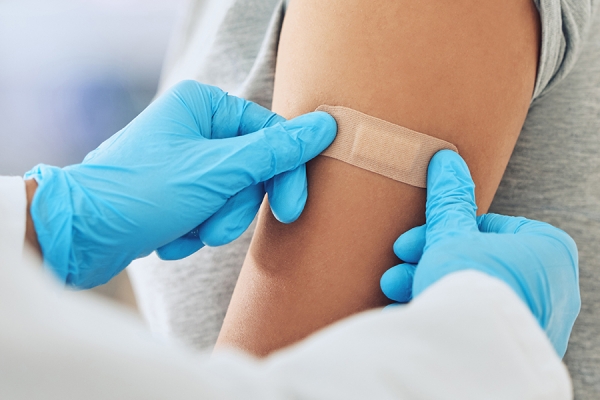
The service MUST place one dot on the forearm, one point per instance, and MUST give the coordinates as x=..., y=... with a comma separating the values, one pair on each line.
x=463, y=72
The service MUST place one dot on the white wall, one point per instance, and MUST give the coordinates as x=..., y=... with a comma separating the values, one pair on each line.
x=73, y=72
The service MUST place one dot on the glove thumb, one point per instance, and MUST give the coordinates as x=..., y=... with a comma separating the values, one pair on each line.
x=450, y=196
x=282, y=147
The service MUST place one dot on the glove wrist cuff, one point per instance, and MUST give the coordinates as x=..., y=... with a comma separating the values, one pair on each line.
x=52, y=214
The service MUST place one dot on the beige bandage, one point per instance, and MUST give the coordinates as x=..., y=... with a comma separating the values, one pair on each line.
x=382, y=147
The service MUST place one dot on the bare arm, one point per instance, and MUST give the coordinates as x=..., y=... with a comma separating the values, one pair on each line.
x=462, y=71
x=30, y=234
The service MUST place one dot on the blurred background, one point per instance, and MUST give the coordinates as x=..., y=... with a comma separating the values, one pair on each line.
x=72, y=73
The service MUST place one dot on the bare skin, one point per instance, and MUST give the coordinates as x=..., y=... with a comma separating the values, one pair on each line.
x=462, y=71
x=30, y=233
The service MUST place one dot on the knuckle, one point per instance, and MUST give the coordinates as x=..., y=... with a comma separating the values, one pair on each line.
x=186, y=85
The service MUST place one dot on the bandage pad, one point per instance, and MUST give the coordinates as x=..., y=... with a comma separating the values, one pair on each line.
x=382, y=147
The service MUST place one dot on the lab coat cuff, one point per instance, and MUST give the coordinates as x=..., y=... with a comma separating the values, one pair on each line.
x=13, y=216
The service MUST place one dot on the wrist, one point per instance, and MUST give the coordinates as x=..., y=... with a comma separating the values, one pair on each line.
x=50, y=216
x=30, y=232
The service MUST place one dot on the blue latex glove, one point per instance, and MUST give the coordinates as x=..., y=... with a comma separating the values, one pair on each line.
x=191, y=169
x=538, y=261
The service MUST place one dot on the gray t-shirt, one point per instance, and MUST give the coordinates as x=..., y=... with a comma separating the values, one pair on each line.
x=553, y=174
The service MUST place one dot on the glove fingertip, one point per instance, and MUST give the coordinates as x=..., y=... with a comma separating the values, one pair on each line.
x=288, y=194
x=213, y=238
x=409, y=246
x=287, y=215
x=396, y=282
x=496, y=223
x=327, y=122
x=180, y=248
x=227, y=227
x=219, y=232
x=285, y=209
x=233, y=218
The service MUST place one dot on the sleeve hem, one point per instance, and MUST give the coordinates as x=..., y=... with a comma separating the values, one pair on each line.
x=13, y=209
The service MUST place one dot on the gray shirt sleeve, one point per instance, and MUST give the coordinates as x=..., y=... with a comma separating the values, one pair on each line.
x=564, y=26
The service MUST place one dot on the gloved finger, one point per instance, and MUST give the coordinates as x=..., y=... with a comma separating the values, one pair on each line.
x=214, y=113
x=495, y=223
x=450, y=196
x=223, y=227
x=287, y=194
x=233, y=116
x=409, y=246
x=181, y=247
x=396, y=283
x=259, y=156
x=231, y=220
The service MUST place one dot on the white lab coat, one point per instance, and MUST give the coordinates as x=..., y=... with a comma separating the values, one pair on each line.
x=467, y=337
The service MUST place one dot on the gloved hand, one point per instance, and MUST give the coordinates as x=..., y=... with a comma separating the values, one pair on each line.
x=538, y=261
x=191, y=169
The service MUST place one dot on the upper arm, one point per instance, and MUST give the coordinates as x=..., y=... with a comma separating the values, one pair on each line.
x=461, y=70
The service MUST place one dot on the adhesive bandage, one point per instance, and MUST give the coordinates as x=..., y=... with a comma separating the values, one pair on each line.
x=382, y=147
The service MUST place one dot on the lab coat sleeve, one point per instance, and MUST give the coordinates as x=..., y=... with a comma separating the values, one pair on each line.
x=13, y=205
x=468, y=336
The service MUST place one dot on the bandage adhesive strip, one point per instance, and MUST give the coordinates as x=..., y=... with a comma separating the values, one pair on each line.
x=382, y=147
